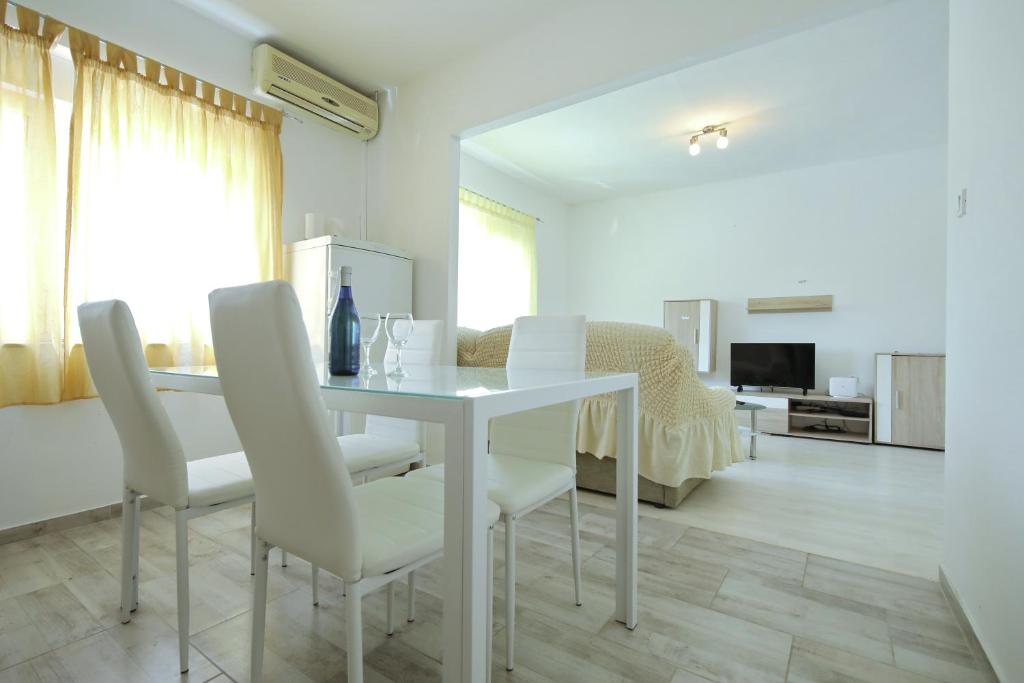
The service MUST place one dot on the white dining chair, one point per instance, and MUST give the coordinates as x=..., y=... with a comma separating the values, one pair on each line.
x=388, y=445
x=370, y=535
x=154, y=460
x=533, y=453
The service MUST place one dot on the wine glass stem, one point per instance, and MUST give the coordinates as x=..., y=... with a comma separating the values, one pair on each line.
x=398, y=357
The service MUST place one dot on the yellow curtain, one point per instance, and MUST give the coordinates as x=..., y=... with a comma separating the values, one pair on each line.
x=31, y=220
x=497, y=263
x=175, y=190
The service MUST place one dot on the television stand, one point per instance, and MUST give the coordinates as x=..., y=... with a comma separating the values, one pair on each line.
x=812, y=416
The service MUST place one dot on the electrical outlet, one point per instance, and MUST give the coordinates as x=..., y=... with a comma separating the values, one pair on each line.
x=961, y=203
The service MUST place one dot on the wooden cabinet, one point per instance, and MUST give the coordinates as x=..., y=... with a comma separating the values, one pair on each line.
x=911, y=398
x=811, y=416
x=694, y=323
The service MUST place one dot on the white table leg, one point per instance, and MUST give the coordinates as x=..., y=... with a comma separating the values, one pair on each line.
x=465, y=546
x=626, y=491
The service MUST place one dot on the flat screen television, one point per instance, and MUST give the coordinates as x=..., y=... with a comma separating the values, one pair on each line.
x=772, y=365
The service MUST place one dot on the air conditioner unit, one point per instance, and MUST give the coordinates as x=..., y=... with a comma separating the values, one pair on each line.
x=306, y=90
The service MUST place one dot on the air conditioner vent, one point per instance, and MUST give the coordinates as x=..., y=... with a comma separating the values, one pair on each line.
x=311, y=80
x=305, y=90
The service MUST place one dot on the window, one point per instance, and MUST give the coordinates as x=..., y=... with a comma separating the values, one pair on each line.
x=31, y=223
x=497, y=263
x=168, y=188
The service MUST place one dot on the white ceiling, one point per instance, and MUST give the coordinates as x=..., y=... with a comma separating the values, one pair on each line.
x=378, y=43
x=866, y=85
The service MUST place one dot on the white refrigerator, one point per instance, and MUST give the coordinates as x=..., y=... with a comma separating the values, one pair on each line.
x=381, y=283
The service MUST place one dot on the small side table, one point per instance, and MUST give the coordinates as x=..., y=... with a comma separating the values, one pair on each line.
x=752, y=408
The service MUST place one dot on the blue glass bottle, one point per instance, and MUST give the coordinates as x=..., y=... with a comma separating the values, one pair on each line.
x=344, y=334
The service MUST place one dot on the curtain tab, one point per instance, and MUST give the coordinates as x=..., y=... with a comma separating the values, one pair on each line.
x=115, y=55
x=224, y=98
x=51, y=27
x=130, y=61
x=84, y=44
x=272, y=116
x=207, y=91
x=28, y=20
x=3, y=12
x=152, y=70
x=188, y=84
x=238, y=104
x=172, y=76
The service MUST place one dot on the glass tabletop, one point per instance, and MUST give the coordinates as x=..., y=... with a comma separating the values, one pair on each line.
x=432, y=381
x=749, y=406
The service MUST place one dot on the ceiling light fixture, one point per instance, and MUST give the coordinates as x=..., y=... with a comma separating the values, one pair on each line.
x=721, y=143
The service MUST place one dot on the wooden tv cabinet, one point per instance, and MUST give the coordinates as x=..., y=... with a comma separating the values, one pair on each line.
x=814, y=416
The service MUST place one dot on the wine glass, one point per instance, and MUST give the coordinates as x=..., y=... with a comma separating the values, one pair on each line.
x=398, y=327
x=369, y=330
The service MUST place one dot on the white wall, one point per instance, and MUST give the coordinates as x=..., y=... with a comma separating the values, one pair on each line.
x=65, y=458
x=576, y=53
x=871, y=232
x=61, y=459
x=983, y=553
x=552, y=254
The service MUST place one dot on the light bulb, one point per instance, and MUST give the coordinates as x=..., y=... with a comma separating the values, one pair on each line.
x=722, y=141
x=694, y=146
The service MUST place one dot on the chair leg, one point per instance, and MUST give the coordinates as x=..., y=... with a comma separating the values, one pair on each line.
x=316, y=585
x=284, y=558
x=137, y=520
x=574, y=519
x=391, y=608
x=259, y=614
x=510, y=592
x=252, y=541
x=354, y=627
x=410, y=615
x=490, y=602
x=181, y=538
x=127, y=551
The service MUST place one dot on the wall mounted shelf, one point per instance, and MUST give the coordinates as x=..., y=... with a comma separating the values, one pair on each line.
x=790, y=304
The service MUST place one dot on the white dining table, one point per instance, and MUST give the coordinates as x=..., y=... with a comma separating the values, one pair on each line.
x=463, y=399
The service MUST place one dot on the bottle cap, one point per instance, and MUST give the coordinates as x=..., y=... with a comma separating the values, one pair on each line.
x=346, y=276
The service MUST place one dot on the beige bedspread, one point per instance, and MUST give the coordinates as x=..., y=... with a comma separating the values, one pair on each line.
x=686, y=430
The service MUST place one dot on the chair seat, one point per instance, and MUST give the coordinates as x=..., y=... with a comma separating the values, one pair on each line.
x=401, y=521
x=515, y=484
x=220, y=479
x=366, y=451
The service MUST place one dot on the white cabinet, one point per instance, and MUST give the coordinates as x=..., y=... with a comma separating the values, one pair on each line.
x=694, y=323
x=910, y=394
x=381, y=282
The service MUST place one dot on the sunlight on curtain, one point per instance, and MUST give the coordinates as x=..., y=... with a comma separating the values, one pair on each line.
x=497, y=263
x=31, y=219
x=172, y=196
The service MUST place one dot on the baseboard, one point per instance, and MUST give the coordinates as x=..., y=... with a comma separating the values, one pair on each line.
x=977, y=649
x=47, y=526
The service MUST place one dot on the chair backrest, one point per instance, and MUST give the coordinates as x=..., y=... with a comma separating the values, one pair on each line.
x=423, y=348
x=154, y=460
x=549, y=433
x=303, y=488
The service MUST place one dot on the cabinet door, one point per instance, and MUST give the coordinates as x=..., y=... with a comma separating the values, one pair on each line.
x=919, y=401
x=682, y=319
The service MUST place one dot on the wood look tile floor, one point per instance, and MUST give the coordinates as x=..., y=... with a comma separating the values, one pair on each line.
x=876, y=505
x=713, y=607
